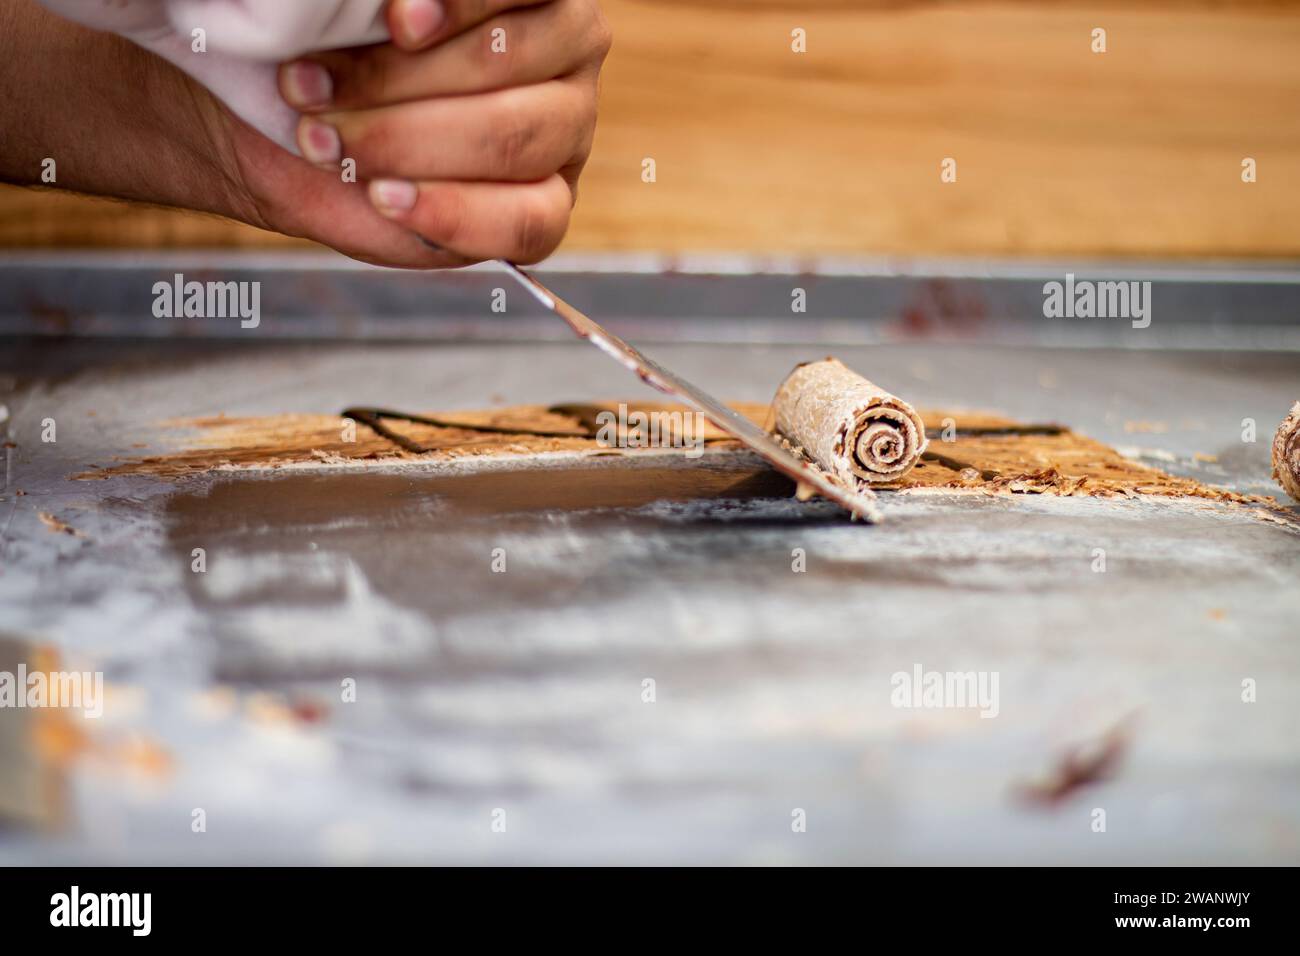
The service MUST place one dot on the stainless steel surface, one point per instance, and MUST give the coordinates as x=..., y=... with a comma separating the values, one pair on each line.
x=523, y=691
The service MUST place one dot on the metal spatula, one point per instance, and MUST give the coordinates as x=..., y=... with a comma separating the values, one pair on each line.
x=860, y=503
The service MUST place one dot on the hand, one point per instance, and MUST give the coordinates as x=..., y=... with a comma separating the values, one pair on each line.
x=471, y=128
x=123, y=122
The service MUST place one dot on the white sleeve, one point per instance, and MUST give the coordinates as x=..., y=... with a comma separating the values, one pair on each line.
x=242, y=42
x=275, y=30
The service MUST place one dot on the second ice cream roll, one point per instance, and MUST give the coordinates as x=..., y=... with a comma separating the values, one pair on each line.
x=1286, y=454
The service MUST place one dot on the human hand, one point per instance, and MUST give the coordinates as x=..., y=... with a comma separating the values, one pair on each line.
x=510, y=130
x=471, y=127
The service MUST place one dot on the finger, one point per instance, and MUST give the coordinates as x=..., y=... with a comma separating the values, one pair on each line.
x=298, y=200
x=539, y=44
x=522, y=222
x=345, y=219
x=516, y=135
x=418, y=24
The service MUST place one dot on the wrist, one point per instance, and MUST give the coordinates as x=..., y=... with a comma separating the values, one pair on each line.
x=93, y=113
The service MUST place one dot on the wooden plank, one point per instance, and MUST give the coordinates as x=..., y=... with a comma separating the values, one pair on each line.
x=1060, y=151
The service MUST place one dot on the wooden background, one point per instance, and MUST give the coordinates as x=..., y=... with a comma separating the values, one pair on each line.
x=1059, y=151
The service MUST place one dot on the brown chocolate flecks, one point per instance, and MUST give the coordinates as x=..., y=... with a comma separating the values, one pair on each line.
x=1080, y=766
x=57, y=526
x=964, y=468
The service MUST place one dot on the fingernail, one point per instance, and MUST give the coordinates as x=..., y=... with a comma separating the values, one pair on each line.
x=419, y=20
x=319, y=141
x=306, y=85
x=393, y=197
